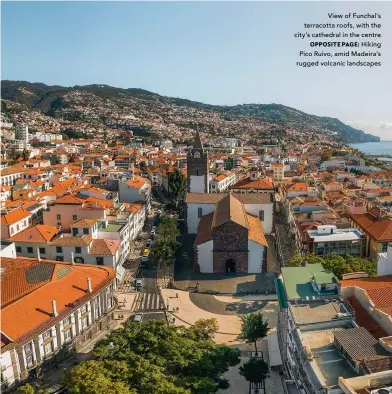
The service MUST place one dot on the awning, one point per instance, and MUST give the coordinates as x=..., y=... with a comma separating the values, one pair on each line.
x=274, y=350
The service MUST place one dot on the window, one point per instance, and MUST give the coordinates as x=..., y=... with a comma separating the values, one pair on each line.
x=199, y=212
x=84, y=322
x=18, y=249
x=59, y=258
x=48, y=348
x=42, y=250
x=67, y=320
x=197, y=172
x=47, y=334
x=99, y=260
x=261, y=215
x=28, y=348
x=85, y=231
x=59, y=249
x=74, y=232
x=68, y=334
x=75, y=217
x=17, y=227
x=12, y=230
x=29, y=249
x=78, y=249
x=109, y=301
x=83, y=309
x=58, y=217
x=384, y=247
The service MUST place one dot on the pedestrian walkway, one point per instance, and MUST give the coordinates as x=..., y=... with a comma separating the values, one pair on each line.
x=149, y=302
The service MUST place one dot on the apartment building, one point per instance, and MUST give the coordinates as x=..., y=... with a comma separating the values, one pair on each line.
x=327, y=239
x=222, y=182
x=14, y=222
x=63, y=309
x=320, y=339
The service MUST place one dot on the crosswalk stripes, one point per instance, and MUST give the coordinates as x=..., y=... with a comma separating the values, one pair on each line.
x=150, y=302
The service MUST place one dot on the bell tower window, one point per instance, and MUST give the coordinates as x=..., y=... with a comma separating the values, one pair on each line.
x=197, y=172
x=196, y=155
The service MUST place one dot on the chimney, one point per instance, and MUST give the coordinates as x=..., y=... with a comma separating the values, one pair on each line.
x=89, y=288
x=54, y=308
x=72, y=258
x=38, y=255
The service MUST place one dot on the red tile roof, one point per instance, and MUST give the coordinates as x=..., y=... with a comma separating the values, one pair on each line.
x=28, y=288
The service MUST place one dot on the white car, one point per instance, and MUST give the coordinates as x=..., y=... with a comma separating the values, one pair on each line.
x=154, y=228
x=144, y=259
x=139, y=283
x=159, y=212
x=138, y=318
x=150, y=242
x=152, y=232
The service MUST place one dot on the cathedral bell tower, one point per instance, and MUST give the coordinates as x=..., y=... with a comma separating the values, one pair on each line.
x=197, y=168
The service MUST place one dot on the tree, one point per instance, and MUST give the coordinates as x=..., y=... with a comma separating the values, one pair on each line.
x=177, y=187
x=25, y=154
x=253, y=328
x=153, y=357
x=339, y=265
x=143, y=166
x=94, y=377
x=255, y=370
x=26, y=389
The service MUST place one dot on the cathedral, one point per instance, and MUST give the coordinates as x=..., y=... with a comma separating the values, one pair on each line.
x=229, y=228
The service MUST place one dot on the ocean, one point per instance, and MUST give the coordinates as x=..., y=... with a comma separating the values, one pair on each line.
x=375, y=148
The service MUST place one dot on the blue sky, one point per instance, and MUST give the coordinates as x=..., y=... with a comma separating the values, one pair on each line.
x=215, y=52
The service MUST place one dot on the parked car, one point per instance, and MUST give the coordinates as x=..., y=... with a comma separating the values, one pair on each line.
x=152, y=233
x=138, y=317
x=159, y=212
x=150, y=242
x=154, y=228
x=139, y=283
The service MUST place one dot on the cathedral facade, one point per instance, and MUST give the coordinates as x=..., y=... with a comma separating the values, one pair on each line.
x=228, y=227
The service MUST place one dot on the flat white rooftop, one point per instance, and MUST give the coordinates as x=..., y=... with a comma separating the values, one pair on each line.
x=349, y=234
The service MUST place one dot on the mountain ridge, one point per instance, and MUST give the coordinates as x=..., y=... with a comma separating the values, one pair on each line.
x=72, y=103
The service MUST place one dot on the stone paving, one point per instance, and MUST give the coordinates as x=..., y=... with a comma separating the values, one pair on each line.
x=229, y=323
x=238, y=384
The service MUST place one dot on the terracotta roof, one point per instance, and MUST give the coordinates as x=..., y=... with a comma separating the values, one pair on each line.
x=204, y=233
x=230, y=209
x=204, y=198
x=84, y=223
x=260, y=184
x=28, y=288
x=298, y=186
x=359, y=343
x=137, y=182
x=256, y=232
x=69, y=199
x=104, y=247
x=72, y=241
x=364, y=319
x=379, y=290
x=39, y=233
x=14, y=216
x=379, y=229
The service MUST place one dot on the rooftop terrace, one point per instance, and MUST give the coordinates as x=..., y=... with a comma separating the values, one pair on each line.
x=320, y=310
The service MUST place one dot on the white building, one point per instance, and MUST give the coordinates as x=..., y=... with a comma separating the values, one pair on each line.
x=384, y=264
x=22, y=132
